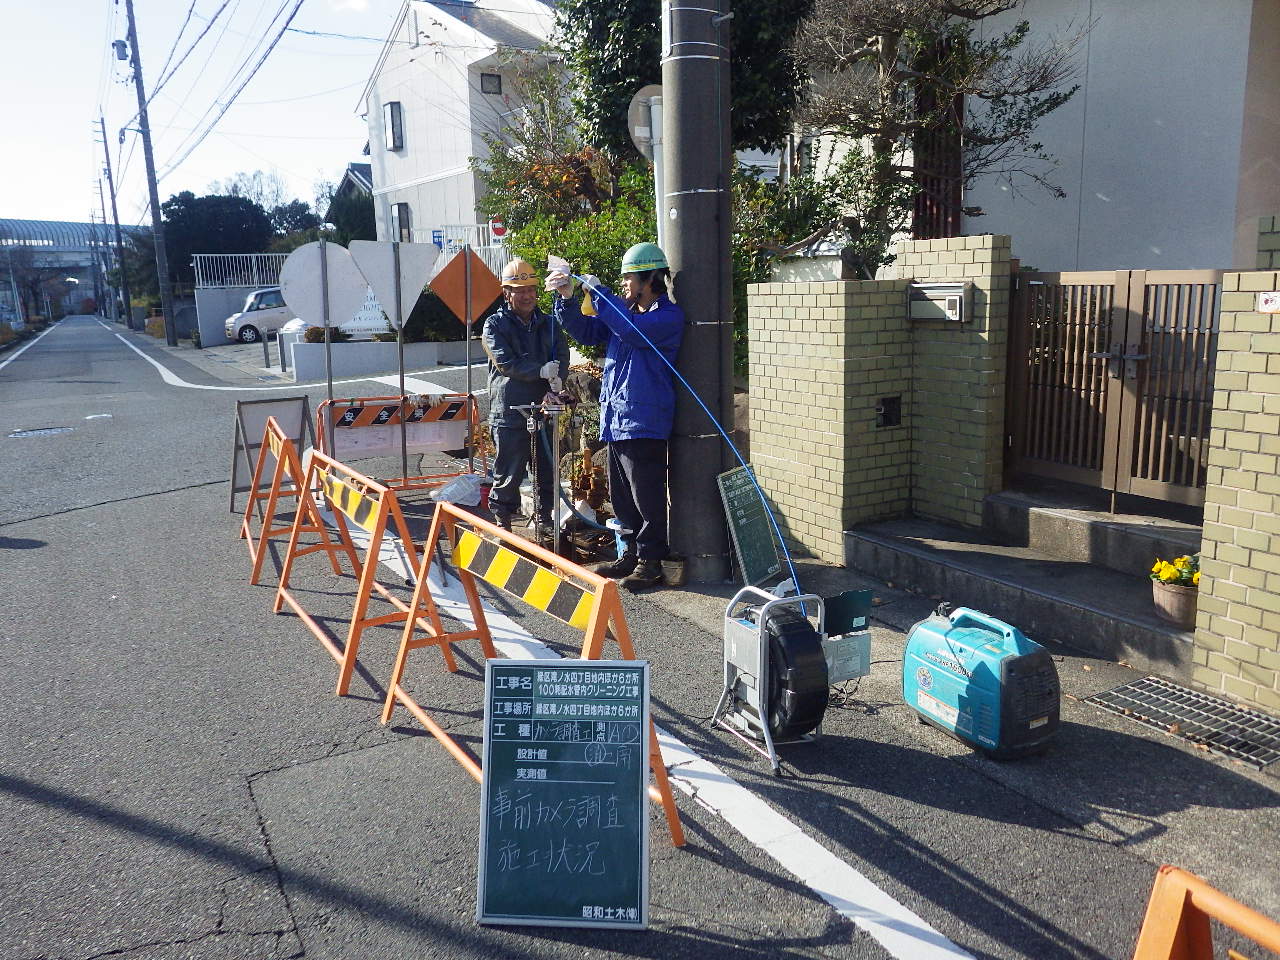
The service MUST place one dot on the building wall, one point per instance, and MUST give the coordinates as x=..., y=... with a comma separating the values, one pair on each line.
x=1259, y=191
x=1237, y=639
x=1148, y=149
x=824, y=356
x=1269, y=243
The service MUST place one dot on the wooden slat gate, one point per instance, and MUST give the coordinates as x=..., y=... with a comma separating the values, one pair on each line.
x=1111, y=379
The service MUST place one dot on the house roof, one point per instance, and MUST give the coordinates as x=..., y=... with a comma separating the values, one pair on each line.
x=502, y=32
x=361, y=174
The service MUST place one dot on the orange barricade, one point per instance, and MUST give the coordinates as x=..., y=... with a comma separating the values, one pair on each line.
x=353, y=498
x=370, y=427
x=1176, y=926
x=286, y=481
x=542, y=579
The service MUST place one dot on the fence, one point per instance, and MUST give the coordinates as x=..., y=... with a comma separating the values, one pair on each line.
x=452, y=237
x=237, y=269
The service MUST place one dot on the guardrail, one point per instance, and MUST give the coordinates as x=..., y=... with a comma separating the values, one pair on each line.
x=237, y=269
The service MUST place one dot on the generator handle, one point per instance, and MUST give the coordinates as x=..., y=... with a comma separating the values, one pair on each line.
x=770, y=602
x=965, y=615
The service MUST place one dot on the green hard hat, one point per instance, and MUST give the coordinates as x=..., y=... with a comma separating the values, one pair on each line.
x=644, y=256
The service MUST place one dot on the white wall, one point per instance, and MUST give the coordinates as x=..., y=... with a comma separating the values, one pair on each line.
x=1149, y=147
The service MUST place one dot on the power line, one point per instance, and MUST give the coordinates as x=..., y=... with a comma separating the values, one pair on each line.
x=230, y=100
x=164, y=78
x=173, y=48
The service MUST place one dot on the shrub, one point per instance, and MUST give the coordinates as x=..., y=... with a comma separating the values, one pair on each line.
x=6, y=333
x=316, y=335
x=155, y=327
x=431, y=321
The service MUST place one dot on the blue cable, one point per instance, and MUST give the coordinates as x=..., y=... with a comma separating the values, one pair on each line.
x=795, y=579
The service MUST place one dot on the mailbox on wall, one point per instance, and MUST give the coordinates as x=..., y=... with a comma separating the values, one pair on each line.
x=940, y=301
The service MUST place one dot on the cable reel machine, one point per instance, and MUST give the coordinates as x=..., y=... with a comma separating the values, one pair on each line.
x=778, y=667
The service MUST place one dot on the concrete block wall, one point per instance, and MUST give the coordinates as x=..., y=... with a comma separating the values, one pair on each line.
x=1269, y=243
x=1237, y=638
x=957, y=425
x=823, y=357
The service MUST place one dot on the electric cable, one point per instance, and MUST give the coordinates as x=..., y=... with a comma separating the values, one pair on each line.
x=773, y=521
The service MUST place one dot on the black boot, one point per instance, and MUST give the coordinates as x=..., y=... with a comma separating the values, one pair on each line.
x=615, y=569
x=502, y=519
x=648, y=573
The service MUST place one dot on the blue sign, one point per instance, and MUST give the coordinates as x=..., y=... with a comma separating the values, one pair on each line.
x=437, y=237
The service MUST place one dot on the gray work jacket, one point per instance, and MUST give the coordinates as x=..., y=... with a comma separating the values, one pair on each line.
x=517, y=352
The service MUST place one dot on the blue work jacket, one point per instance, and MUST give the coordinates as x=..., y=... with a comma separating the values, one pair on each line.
x=516, y=352
x=637, y=396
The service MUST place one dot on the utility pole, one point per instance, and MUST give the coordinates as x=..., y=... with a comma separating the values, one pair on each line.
x=94, y=252
x=696, y=152
x=111, y=314
x=157, y=222
x=115, y=216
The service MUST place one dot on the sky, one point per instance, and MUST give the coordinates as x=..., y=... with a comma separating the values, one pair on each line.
x=298, y=116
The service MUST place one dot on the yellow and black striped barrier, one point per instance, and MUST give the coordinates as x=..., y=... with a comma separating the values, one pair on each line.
x=545, y=581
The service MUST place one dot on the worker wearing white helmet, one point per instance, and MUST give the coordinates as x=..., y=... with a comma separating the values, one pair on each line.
x=637, y=399
x=526, y=351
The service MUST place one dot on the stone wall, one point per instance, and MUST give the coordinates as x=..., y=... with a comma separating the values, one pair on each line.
x=1237, y=640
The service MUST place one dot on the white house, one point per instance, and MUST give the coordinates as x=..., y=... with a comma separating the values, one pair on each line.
x=1170, y=150
x=445, y=77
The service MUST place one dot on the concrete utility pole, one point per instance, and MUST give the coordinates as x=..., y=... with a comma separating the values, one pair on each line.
x=111, y=314
x=696, y=151
x=157, y=222
x=115, y=216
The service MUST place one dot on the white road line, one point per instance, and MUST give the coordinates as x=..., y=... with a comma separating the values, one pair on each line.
x=854, y=896
x=22, y=350
x=414, y=385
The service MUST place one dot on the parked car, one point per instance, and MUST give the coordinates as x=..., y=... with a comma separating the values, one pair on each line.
x=264, y=312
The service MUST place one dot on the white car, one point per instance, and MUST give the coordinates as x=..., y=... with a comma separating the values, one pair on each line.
x=366, y=322
x=264, y=312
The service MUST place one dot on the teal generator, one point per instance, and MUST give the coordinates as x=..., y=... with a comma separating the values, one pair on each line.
x=982, y=681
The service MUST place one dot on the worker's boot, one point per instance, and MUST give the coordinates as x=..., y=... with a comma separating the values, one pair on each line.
x=503, y=519
x=615, y=569
x=647, y=573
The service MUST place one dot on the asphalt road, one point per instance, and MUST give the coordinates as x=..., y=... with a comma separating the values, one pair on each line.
x=178, y=780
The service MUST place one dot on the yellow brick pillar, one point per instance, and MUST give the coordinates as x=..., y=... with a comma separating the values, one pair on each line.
x=1237, y=639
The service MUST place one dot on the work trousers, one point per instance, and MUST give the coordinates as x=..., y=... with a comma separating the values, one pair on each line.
x=511, y=463
x=638, y=492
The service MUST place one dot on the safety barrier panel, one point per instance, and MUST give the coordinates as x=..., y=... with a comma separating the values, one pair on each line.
x=286, y=481
x=1176, y=926
x=369, y=505
x=544, y=580
x=369, y=427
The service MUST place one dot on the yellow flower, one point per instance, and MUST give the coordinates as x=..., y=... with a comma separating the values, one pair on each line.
x=1182, y=563
x=1195, y=578
x=1155, y=568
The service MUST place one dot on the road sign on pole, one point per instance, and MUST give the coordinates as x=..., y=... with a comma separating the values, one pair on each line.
x=497, y=228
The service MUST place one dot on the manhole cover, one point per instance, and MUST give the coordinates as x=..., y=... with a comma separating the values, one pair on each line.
x=1223, y=727
x=39, y=432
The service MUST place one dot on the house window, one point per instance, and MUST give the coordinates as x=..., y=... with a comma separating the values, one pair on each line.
x=401, y=223
x=491, y=83
x=393, y=125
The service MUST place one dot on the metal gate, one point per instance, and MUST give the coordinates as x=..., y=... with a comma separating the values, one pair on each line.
x=1111, y=379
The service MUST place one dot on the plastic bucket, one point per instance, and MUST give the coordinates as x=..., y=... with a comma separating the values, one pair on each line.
x=673, y=571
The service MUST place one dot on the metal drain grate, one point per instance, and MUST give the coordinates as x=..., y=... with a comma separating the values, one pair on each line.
x=1223, y=727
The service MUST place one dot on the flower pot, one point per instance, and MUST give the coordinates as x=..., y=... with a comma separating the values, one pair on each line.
x=1175, y=603
x=673, y=571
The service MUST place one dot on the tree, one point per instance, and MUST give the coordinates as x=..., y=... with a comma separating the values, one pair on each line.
x=612, y=49
x=294, y=215
x=211, y=224
x=38, y=282
x=267, y=190
x=886, y=73
x=353, y=217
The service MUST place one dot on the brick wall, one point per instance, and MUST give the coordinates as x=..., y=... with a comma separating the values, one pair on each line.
x=824, y=355
x=1237, y=645
x=959, y=375
x=1269, y=243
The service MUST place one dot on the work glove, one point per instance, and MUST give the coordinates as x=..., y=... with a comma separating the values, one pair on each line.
x=560, y=283
x=550, y=369
x=592, y=283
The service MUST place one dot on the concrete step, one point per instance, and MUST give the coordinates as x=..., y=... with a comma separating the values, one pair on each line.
x=1062, y=527
x=1073, y=602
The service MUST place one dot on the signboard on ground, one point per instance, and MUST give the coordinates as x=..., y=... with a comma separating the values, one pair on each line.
x=294, y=416
x=749, y=526
x=564, y=822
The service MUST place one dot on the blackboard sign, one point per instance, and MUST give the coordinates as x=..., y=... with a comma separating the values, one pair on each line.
x=749, y=526
x=564, y=824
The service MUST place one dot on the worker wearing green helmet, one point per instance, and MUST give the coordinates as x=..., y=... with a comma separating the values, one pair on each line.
x=637, y=399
